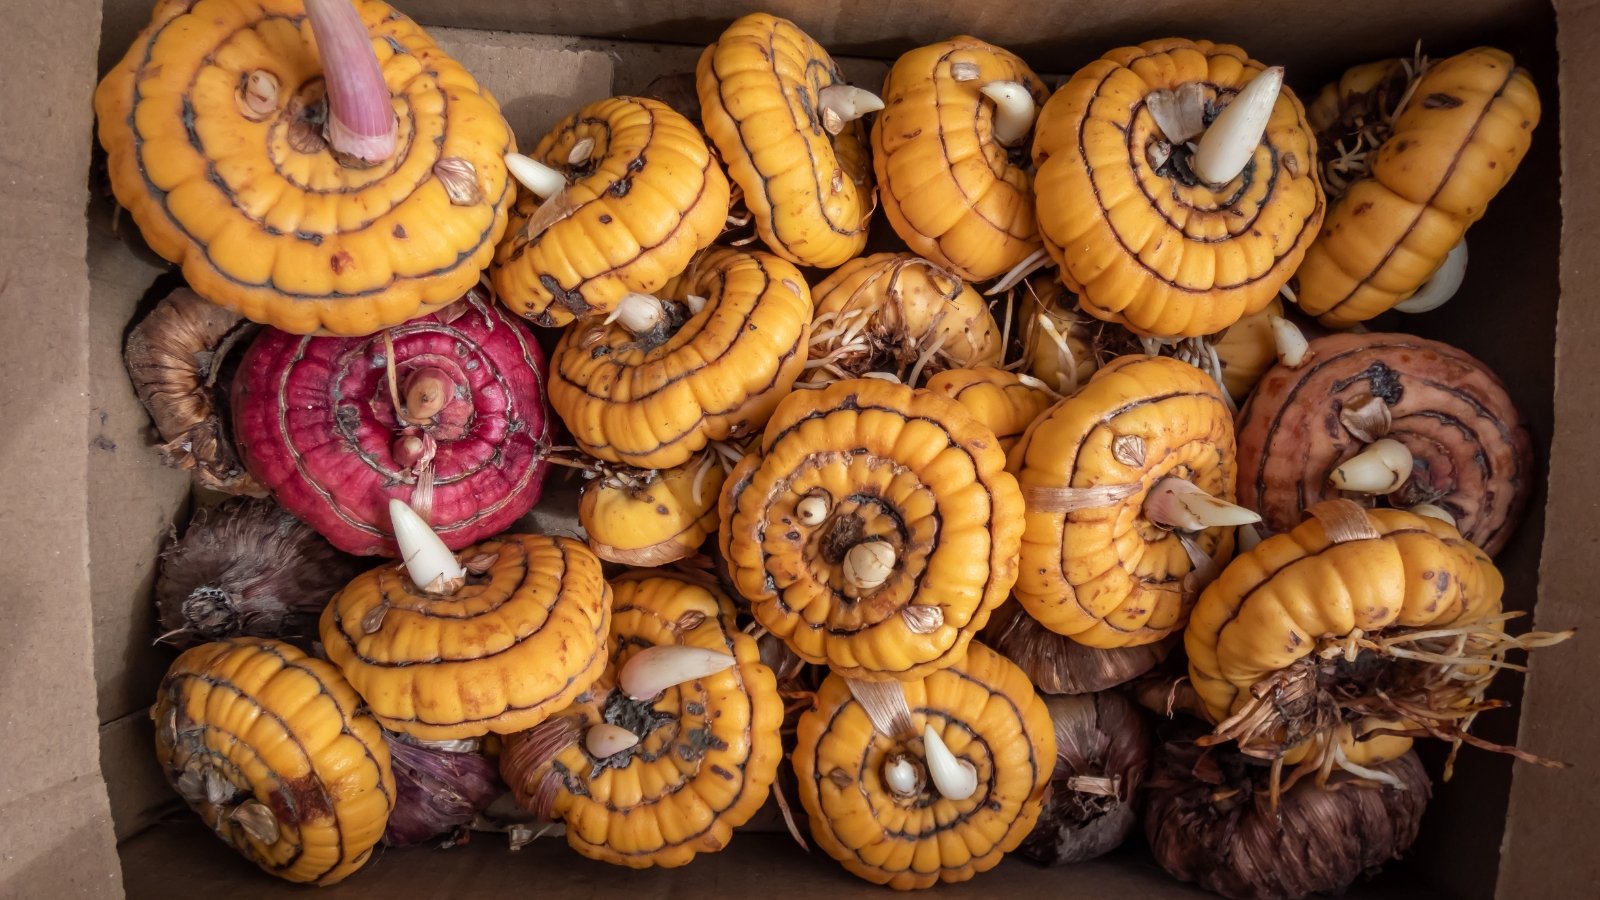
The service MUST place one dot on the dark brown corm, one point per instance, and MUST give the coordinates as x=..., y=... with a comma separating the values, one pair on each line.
x=247, y=569
x=1102, y=758
x=440, y=787
x=1210, y=820
x=1057, y=664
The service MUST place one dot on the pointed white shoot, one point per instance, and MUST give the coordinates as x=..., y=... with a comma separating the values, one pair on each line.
x=1379, y=469
x=605, y=740
x=867, y=565
x=1235, y=133
x=901, y=776
x=639, y=313
x=581, y=151
x=1179, y=503
x=1435, y=512
x=428, y=561
x=1293, y=348
x=955, y=779
x=654, y=669
x=841, y=103
x=1014, y=110
x=812, y=509
x=544, y=181
x=1442, y=286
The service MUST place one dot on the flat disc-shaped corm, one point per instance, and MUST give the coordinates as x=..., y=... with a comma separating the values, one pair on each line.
x=653, y=781
x=867, y=783
x=708, y=361
x=953, y=178
x=1470, y=453
x=643, y=194
x=1005, y=402
x=1300, y=650
x=1428, y=170
x=653, y=518
x=873, y=528
x=516, y=642
x=272, y=748
x=804, y=169
x=452, y=425
x=1140, y=237
x=222, y=146
x=1103, y=561
x=901, y=315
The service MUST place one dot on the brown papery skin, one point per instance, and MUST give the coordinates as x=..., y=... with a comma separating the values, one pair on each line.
x=172, y=356
x=1100, y=735
x=1057, y=664
x=248, y=568
x=1209, y=820
x=1472, y=451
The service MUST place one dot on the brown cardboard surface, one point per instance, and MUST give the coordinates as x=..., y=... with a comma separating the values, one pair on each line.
x=1550, y=850
x=56, y=829
x=1042, y=31
x=537, y=79
x=137, y=790
x=134, y=500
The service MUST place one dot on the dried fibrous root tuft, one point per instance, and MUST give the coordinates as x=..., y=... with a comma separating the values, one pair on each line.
x=1435, y=688
x=1348, y=688
x=898, y=315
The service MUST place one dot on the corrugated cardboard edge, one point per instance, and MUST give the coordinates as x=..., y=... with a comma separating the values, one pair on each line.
x=57, y=828
x=1543, y=855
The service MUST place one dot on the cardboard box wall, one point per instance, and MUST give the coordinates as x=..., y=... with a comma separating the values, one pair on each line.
x=87, y=506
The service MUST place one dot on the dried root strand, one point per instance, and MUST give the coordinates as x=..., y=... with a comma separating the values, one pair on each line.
x=860, y=340
x=1435, y=681
x=1364, y=126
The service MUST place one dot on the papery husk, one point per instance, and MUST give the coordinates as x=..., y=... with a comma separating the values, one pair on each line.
x=1103, y=751
x=174, y=357
x=1210, y=820
x=247, y=568
x=439, y=790
x=1057, y=664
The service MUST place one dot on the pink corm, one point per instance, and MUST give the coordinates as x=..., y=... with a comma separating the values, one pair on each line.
x=456, y=436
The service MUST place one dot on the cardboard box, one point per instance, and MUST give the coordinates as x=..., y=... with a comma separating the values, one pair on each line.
x=87, y=505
